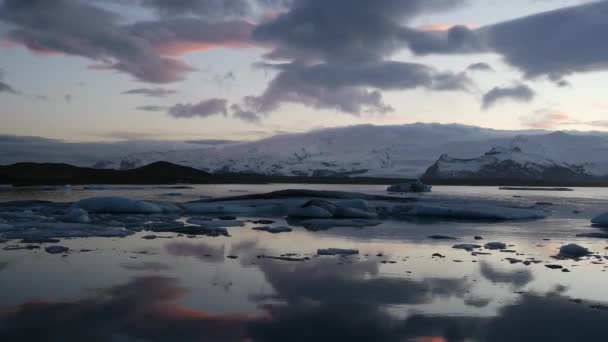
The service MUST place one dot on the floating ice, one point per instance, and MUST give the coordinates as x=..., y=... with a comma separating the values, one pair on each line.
x=600, y=220
x=416, y=186
x=309, y=211
x=274, y=230
x=76, y=215
x=467, y=246
x=56, y=249
x=573, y=251
x=496, y=245
x=25, y=230
x=337, y=251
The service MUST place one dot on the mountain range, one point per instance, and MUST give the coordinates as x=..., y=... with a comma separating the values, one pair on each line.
x=403, y=151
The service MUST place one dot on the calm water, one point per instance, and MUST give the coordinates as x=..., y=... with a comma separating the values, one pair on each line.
x=176, y=288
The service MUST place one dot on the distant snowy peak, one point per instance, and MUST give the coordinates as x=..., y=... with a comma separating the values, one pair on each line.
x=510, y=164
x=400, y=151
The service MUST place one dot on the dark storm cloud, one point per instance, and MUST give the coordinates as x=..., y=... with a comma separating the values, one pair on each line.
x=553, y=44
x=481, y=66
x=517, y=92
x=77, y=28
x=151, y=92
x=202, y=109
x=345, y=87
x=458, y=39
x=81, y=28
x=345, y=30
x=211, y=9
x=175, y=36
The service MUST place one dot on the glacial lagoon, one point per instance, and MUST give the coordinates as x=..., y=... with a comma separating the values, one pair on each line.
x=406, y=281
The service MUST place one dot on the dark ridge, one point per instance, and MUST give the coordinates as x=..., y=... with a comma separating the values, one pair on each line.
x=23, y=174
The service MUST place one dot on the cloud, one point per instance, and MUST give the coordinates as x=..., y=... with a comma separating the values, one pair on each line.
x=202, y=109
x=343, y=30
x=346, y=87
x=200, y=251
x=14, y=149
x=552, y=44
x=177, y=36
x=517, y=279
x=517, y=92
x=547, y=119
x=144, y=309
x=5, y=88
x=152, y=108
x=555, y=43
x=456, y=40
x=213, y=9
x=78, y=28
x=245, y=115
x=150, y=92
x=481, y=66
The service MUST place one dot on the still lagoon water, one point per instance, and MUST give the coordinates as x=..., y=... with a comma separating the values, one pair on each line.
x=257, y=286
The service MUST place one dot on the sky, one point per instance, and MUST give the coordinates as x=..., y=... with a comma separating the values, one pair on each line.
x=114, y=70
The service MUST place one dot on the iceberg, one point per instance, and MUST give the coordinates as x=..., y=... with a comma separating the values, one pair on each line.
x=600, y=220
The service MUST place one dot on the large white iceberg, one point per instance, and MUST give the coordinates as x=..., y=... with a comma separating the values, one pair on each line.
x=600, y=220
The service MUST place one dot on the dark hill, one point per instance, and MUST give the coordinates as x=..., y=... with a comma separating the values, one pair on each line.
x=22, y=174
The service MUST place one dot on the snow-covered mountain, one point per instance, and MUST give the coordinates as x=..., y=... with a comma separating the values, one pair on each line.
x=378, y=151
x=502, y=163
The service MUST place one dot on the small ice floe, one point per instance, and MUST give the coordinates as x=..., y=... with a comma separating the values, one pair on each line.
x=283, y=258
x=595, y=235
x=263, y=222
x=337, y=251
x=75, y=215
x=467, y=246
x=117, y=205
x=600, y=220
x=441, y=237
x=495, y=245
x=56, y=249
x=310, y=211
x=27, y=230
x=321, y=209
x=573, y=251
x=471, y=212
x=273, y=230
x=415, y=186
x=217, y=224
x=39, y=240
